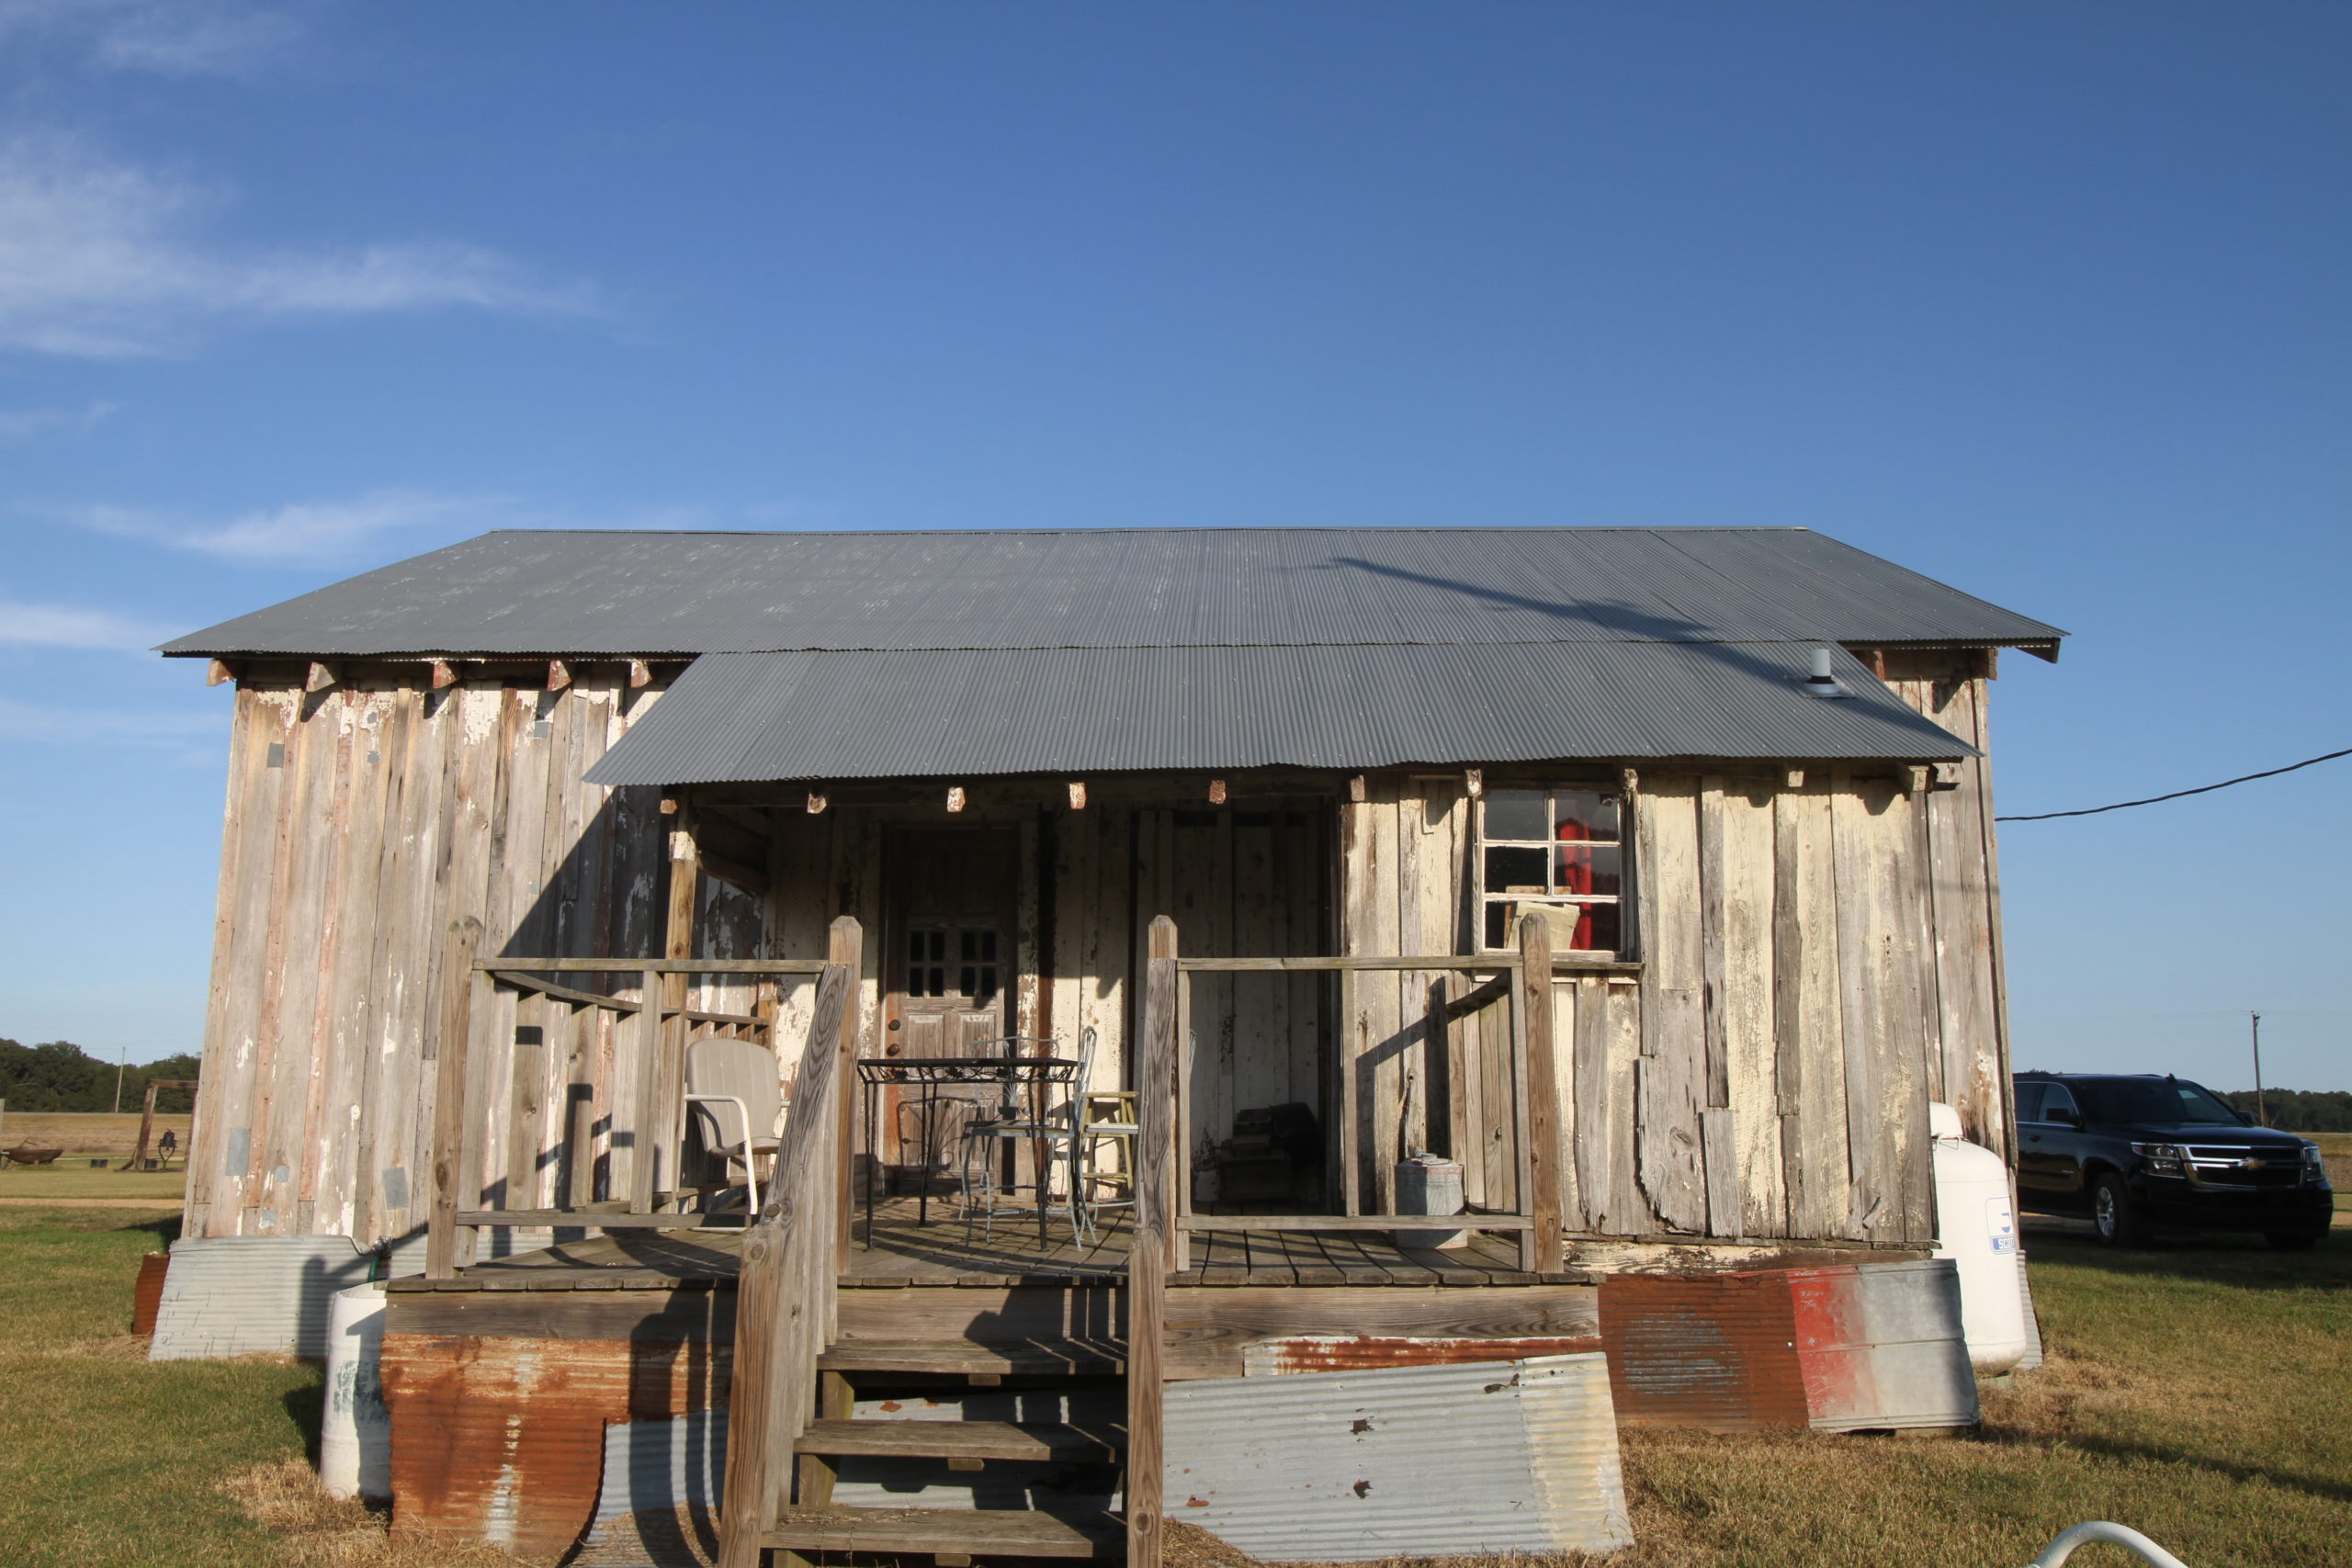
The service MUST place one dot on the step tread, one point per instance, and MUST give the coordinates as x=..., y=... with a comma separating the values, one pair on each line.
x=996, y=1357
x=966, y=1439
x=1007, y=1532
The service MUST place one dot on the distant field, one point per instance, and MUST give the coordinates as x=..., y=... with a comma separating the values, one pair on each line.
x=2336, y=1149
x=84, y=1133
x=76, y=1182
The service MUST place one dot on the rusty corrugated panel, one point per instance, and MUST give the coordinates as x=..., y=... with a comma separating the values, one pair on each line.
x=1475, y=1459
x=501, y=1440
x=1365, y=1352
x=1880, y=1345
x=147, y=1295
x=1716, y=1351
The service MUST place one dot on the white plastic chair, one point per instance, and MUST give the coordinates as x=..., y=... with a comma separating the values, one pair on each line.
x=734, y=1093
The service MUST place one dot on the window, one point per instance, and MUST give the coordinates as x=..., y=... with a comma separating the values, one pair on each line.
x=2058, y=1102
x=1561, y=849
x=2029, y=1102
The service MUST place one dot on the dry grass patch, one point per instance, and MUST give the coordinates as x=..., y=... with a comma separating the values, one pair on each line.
x=283, y=1497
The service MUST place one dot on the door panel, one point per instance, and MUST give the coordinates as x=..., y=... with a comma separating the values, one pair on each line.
x=951, y=895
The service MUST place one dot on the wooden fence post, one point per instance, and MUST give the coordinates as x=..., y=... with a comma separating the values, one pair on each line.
x=1542, y=1121
x=449, y=1108
x=845, y=945
x=1156, y=1174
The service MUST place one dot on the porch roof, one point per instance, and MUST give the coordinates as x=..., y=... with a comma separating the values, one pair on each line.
x=734, y=717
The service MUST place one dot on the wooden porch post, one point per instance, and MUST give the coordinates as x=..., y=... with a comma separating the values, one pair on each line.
x=450, y=1112
x=844, y=943
x=1541, y=1120
x=1156, y=1174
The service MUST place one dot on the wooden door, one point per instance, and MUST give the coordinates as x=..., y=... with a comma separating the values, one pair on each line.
x=952, y=893
x=951, y=896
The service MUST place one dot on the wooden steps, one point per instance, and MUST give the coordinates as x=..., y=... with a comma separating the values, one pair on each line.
x=975, y=1358
x=963, y=1441
x=954, y=1532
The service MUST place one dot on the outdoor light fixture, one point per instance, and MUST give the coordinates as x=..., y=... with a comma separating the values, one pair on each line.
x=1821, y=683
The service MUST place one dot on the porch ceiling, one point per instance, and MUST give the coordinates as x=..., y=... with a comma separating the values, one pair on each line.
x=736, y=718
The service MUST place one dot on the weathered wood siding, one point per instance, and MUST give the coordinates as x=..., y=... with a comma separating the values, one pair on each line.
x=361, y=822
x=1814, y=962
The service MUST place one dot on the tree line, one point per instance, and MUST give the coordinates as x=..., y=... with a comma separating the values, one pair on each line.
x=2297, y=1109
x=60, y=1076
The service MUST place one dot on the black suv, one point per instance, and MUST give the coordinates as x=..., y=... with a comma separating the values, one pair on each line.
x=2133, y=1153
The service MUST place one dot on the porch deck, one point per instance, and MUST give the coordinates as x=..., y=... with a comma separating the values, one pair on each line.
x=906, y=1254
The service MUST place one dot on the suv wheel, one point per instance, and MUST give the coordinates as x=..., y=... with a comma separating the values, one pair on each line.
x=2113, y=1213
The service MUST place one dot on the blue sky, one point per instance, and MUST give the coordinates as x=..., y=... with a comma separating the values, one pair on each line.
x=2047, y=301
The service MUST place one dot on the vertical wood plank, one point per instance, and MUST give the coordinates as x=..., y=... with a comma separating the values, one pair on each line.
x=1156, y=1174
x=451, y=1115
x=1746, y=865
x=1808, y=1022
x=1671, y=1083
x=1545, y=1134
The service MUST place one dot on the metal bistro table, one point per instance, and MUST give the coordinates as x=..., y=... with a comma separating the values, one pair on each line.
x=927, y=1075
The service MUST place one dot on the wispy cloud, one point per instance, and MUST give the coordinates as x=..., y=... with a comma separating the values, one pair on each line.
x=175, y=729
x=101, y=258
x=65, y=626
x=23, y=425
x=172, y=38
x=312, y=532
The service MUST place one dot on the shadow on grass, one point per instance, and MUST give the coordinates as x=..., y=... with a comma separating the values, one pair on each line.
x=306, y=1407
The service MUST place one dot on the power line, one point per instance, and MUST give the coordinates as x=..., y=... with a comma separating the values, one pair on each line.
x=2178, y=794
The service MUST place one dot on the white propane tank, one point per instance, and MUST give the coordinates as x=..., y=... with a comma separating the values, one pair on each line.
x=356, y=1436
x=1977, y=1229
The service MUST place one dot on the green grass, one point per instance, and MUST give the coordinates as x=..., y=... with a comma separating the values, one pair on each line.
x=105, y=1458
x=2197, y=1394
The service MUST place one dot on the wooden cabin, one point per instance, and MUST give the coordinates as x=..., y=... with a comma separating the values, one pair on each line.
x=1648, y=874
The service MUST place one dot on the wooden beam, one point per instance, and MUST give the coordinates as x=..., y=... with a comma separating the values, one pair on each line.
x=1429, y=962
x=445, y=675
x=1474, y=782
x=1916, y=776
x=1078, y=795
x=816, y=803
x=1155, y=1177
x=322, y=676
x=1794, y=779
x=559, y=674
x=1240, y=1222
x=1543, y=1130
x=219, y=673
x=640, y=674
x=447, y=1045
x=954, y=797
x=1216, y=792
x=844, y=947
x=678, y=942
x=1359, y=789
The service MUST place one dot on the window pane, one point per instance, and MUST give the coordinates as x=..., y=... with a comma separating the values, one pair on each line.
x=1582, y=814
x=968, y=942
x=1589, y=868
x=1499, y=923
x=938, y=946
x=2029, y=1103
x=986, y=991
x=1598, y=931
x=988, y=946
x=1517, y=814
x=964, y=982
x=1515, y=870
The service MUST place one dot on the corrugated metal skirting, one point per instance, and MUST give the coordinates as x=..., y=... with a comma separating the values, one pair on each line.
x=1848, y=1347
x=244, y=1295
x=1476, y=1459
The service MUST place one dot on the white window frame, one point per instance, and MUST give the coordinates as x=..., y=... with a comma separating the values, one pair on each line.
x=1623, y=899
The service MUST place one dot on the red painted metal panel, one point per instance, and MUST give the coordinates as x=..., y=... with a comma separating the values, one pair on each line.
x=1362, y=1352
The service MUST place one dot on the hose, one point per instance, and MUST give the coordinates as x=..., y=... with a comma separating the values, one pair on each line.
x=2100, y=1529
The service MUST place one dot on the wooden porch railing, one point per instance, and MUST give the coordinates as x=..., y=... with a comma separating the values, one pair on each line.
x=657, y=1099
x=1536, y=1212
x=786, y=1295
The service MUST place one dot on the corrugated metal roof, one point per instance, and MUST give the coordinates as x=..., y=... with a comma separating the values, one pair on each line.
x=521, y=591
x=733, y=717
x=1474, y=1460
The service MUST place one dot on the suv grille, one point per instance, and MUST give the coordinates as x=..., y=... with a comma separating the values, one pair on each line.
x=2225, y=1165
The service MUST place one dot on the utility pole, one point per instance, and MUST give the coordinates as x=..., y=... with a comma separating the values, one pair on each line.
x=122, y=1062
x=2261, y=1112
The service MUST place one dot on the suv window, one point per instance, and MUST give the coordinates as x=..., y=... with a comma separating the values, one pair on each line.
x=2029, y=1102
x=2055, y=1097
x=2158, y=1103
